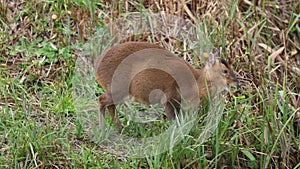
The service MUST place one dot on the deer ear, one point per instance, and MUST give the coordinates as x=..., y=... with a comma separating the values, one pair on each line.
x=211, y=60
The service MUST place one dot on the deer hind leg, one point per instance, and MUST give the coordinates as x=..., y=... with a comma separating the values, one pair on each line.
x=105, y=101
x=112, y=112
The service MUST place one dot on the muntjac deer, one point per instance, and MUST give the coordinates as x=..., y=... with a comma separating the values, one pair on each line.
x=152, y=75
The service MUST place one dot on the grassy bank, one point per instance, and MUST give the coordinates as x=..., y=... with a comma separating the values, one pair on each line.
x=41, y=40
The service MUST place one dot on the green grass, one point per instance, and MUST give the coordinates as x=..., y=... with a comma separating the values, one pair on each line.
x=39, y=125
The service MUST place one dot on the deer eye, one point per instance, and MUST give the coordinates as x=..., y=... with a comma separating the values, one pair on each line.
x=224, y=71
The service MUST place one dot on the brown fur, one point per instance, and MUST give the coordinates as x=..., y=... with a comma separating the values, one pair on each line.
x=143, y=83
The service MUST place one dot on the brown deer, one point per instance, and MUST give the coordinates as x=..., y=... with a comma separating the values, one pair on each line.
x=151, y=74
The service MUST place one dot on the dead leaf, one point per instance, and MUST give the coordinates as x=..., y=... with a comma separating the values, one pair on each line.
x=294, y=52
x=266, y=47
x=275, y=54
